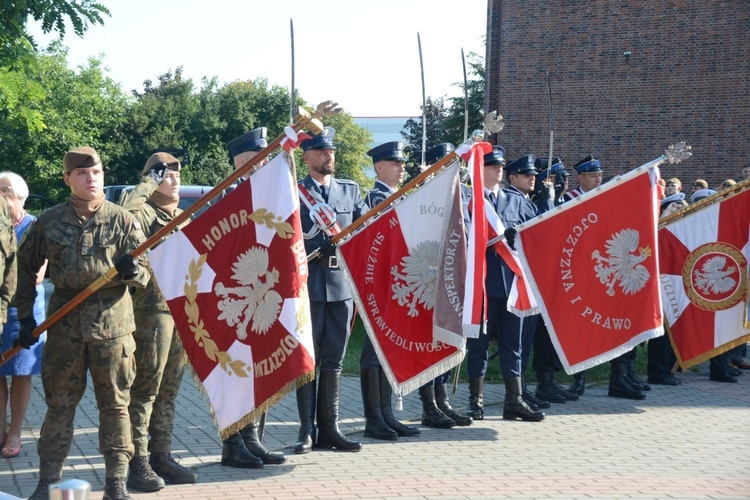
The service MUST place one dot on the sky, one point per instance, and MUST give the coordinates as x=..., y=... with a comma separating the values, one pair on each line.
x=362, y=54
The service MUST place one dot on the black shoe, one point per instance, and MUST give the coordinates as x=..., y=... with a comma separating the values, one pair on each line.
x=618, y=383
x=664, y=380
x=722, y=377
x=168, y=469
x=546, y=390
x=733, y=371
x=562, y=391
x=476, y=399
x=444, y=405
x=252, y=443
x=431, y=414
x=141, y=476
x=534, y=401
x=514, y=406
x=42, y=489
x=579, y=384
x=633, y=379
x=234, y=454
x=114, y=489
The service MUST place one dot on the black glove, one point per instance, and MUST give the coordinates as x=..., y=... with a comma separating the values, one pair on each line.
x=126, y=266
x=158, y=172
x=25, y=338
x=328, y=247
x=548, y=190
x=510, y=237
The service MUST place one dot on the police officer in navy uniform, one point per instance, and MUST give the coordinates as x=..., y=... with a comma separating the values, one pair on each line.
x=380, y=422
x=331, y=304
x=546, y=362
x=496, y=291
x=437, y=411
x=244, y=448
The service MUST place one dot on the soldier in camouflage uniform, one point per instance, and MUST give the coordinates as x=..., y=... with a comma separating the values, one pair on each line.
x=159, y=353
x=7, y=261
x=83, y=239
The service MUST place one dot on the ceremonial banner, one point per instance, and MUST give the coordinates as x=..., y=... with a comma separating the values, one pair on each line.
x=592, y=266
x=406, y=269
x=235, y=281
x=703, y=263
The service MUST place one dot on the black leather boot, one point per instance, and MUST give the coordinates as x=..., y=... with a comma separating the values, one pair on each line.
x=545, y=389
x=431, y=414
x=719, y=369
x=114, y=489
x=306, y=409
x=533, y=401
x=618, y=382
x=443, y=403
x=329, y=435
x=250, y=437
x=635, y=382
x=141, y=476
x=375, y=425
x=234, y=454
x=169, y=470
x=579, y=383
x=476, y=398
x=562, y=391
x=42, y=489
x=385, y=405
x=514, y=406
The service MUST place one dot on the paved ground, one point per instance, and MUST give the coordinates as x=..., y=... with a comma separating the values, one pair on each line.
x=690, y=441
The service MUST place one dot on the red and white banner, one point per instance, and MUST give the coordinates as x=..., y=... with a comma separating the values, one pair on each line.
x=521, y=301
x=592, y=265
x=474, y=314
x=235, y=280
x=406, y=269
x=703, y=262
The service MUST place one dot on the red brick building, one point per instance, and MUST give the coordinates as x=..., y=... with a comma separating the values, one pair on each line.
x=628, y=79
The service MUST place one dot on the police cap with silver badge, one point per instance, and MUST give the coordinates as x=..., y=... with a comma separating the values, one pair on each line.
x=589, y=165
x=522, y=165
x=495, y=157
x=557, y=167
x=255, y=140
x=393, y=151
x=324, y=140
x=438, y=152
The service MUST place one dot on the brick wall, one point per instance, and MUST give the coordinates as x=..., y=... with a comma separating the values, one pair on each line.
x=687, y=78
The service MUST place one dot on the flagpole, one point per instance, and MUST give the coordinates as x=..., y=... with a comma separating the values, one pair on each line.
x=304, y=121
x=466, y=97
x=424, y=102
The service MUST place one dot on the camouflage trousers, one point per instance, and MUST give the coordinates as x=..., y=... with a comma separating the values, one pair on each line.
x=65, y=362
x=159, y=369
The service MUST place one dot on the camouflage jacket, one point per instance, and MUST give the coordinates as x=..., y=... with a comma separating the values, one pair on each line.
x=7, y=260
x=78, y=255
x=152, y=219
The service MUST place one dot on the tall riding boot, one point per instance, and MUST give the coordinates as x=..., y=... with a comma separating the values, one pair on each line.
x=545, y=389
x=385, y=405
x=431, y=414
x=306, y=409
x=619, y=387
x=329, y=435
x=533, y=401
x=443, y=402
x=515, y=407
x=375, y=425
x=579, y=383
x=476, y=398
x=253, y=444
x=635, y=382
x=562, y=391
x=234, y=454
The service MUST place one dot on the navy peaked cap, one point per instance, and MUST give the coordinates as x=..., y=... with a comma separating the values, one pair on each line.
x=496, y=157
x=323, y=140
x=522, y=165
x=393, y=151
x=255, y=140
x=588, y=165
x=436, y=153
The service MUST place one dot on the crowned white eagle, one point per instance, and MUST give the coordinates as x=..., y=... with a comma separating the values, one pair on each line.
x=255, y=300
x=713, y=278
x=623, y=263
x=419, y=277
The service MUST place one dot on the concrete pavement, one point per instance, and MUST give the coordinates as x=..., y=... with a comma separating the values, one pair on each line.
x=687, y=442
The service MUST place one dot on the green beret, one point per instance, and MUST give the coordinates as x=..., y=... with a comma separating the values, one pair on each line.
x=167, y=159
x=81, y=157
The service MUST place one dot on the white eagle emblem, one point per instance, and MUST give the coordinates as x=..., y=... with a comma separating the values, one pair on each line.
x=712, y=279
x=255, y=298
x=416, y=282
x=622, y=263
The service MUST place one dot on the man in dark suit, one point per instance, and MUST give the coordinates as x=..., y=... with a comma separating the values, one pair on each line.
x=331, y=304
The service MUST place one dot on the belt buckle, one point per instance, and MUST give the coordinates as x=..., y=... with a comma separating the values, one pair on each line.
x=333, y=262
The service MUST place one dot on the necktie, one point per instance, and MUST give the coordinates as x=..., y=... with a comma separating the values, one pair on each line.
x=324, y=192
x=493, y=200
